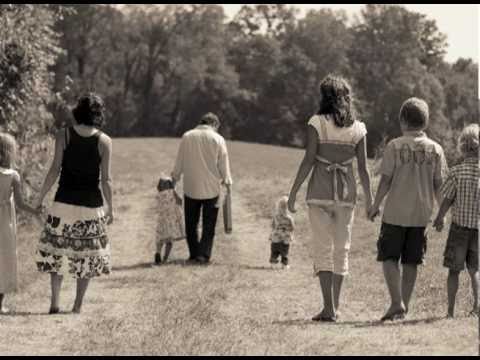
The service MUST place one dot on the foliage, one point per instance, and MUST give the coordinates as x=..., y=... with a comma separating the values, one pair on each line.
x=28, y=48
x=159, y=67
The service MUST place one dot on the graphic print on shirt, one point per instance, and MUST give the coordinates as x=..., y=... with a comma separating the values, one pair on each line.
x=419, y=155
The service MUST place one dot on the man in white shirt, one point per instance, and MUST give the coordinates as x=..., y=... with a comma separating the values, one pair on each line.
x=203, y=161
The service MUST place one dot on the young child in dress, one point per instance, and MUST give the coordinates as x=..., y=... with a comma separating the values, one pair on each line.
x=282, y=233
x=10, y=195
x=460, y=192
x=170, y=226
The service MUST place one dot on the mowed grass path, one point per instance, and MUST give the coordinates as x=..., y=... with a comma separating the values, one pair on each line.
x=236, y=306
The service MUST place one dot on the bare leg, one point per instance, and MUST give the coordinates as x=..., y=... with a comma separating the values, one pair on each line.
x=326, y=283
x=168, y=249
x=82, y=285
x=474, y=276
x=3, y=309
x=158, y=254
x=409, y=278
x=391, y=272
x=337, y=288
x=452, y=288
x=56, y=282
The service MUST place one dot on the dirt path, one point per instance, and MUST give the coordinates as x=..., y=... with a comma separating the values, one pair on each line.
x=237, y=305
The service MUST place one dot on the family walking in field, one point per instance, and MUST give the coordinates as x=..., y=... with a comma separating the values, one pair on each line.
x=414, y=175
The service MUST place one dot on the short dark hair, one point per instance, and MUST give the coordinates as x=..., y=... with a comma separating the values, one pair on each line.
x=90, y=110
x=210, y=119
x=414, y=112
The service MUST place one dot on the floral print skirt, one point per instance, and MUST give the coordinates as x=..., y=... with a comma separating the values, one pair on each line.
x=74, y=242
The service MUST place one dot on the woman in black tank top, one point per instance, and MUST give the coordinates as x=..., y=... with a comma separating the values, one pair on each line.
x=74, y=241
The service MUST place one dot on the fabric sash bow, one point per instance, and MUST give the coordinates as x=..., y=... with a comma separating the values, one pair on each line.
x=338, y=170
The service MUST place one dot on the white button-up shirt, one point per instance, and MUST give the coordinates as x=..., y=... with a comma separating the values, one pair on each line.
x=203, y=160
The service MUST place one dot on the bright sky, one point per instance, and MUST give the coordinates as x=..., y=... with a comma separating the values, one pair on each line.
x=458, y=21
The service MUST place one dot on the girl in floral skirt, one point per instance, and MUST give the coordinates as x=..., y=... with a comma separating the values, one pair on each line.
x=74, y=241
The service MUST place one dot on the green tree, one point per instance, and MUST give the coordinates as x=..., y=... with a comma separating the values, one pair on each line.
x=28, y=48
x=390, y=57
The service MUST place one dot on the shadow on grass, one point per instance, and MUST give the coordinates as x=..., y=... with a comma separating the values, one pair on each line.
x=430, y=320
x=133, y=267
x=29, y=313
x=152, y=265
x=357, y=324
x=252, y=267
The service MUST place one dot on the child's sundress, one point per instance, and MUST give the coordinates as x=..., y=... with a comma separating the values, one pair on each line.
x=8, y=241
x=171, y=223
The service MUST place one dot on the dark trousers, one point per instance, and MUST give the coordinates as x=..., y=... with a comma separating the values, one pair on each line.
x=279, y=250
x=209, y=221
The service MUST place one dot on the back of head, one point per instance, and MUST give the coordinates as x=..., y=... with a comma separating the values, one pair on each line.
x=468, y=143
x=414, y=113
x=8, y=150
x=281, y=207
x=210, y=119
x=90, y=110
x=336, y=100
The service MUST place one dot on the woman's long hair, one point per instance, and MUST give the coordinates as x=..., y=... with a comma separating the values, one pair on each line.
x=8, y=150
x=337, y=101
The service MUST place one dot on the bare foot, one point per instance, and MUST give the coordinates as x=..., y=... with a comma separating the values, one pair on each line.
x=474, y=313
x=4, y=310
x=394, y=314
x=54, y=310
x=325, y=316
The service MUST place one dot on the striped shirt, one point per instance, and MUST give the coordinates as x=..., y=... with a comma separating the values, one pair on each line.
x=461, y=186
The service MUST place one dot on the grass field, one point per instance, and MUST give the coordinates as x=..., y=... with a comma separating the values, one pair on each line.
x=236, y=306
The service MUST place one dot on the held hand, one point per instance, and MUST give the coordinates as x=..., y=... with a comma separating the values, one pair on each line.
x=438, y=224
x=110, y=217
x=373, y=213
x=368, y=209
x=40, y=204
x=291, y=203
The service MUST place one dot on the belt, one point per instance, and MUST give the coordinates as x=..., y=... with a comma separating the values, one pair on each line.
x=339, y=170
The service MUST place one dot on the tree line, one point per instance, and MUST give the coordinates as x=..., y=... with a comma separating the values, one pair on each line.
x=160, y=67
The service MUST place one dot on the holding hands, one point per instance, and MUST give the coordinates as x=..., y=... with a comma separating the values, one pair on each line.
x=372, y=212
x=291, y=202
x=439, y=223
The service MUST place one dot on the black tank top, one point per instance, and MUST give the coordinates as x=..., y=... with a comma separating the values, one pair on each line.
x=80, y=176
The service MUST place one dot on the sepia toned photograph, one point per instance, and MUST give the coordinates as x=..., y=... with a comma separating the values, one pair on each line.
x=239, y=179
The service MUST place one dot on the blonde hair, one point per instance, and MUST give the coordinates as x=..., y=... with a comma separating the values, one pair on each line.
x=468, y=143
x=8, y=150
x=281, y=207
